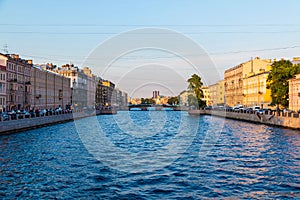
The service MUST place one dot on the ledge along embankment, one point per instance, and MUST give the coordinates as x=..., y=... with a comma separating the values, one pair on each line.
x=18, y=125
x=272, y=118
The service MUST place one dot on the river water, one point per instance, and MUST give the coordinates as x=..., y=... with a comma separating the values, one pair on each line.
x=151, y=155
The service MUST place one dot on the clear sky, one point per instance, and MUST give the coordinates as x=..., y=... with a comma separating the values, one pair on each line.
x=230, y=31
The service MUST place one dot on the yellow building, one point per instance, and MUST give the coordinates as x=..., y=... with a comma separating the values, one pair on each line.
x=246, y=83
x=233, y=78
x=206, y=94
x=217, y=93
x=255, y=92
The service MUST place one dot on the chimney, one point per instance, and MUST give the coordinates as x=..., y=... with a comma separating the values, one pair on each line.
x=29, y=62
x=16, y=56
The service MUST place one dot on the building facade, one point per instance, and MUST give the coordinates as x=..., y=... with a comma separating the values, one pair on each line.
x=82, y=83
x=255, y=92
x=233, y=85
x=255, y=74
x=18, y=85
x=184, y=96
x=49, y=90
x=120, y=99
x=206, y=95
x=91, y=87
x=104, y=93
x=2, y=87
x=244, y=83
x=217, y=93
x=294, y=93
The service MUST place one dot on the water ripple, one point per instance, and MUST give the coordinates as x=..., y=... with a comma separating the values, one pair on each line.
x=248, y=161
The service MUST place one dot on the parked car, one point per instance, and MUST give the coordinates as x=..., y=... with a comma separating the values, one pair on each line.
x=246, y=109
x=4, y=116
x=43, y=112
x=228, y=108
x=256, y=108
x=22, y=114
x=267, y=110
x=208, y=108
x=238, y=107
x=32, y=113
x=260, y=111
x=12, y=114
x=58, y=110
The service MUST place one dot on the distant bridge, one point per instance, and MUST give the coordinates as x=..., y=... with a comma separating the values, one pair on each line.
x=146, y=107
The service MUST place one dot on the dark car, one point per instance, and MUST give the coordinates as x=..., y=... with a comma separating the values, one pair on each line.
x=12, y=114
x=260, y=111
x=50, y=111
x=32, y=113
x=22, y=114
x=4, y=116
x=208, y=108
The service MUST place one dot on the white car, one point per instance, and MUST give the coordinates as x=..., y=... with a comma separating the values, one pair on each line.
x=238, y=107
x=255, y=108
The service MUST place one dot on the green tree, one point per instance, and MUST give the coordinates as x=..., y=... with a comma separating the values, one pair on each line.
x=277, y=81
x=195, y=85
x=192, y=100
x=173, y=101
x=147, y=101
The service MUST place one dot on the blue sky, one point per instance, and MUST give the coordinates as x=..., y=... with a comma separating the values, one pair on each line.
x=231, y=32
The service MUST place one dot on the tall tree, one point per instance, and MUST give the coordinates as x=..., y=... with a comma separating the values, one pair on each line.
x=277, y=81
x=195, y=85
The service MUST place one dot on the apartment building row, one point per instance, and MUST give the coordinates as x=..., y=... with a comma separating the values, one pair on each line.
x=245, y=84
x=89, y=90
x=24, y=85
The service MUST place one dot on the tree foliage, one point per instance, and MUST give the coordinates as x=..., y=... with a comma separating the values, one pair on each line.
x=173, y=101
x=147, y=101
x=277, y=81
x=195, y=85
x=192, y=100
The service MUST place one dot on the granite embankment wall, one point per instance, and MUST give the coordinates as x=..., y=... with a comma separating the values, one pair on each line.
x=18, y=125
x=288, y=120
